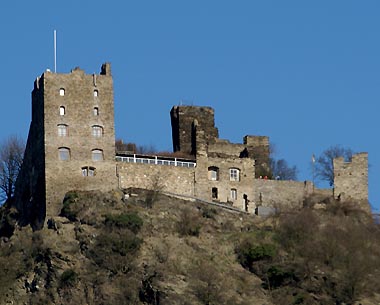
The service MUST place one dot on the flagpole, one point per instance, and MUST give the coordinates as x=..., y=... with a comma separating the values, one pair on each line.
x=55, y=51
x=313, y=169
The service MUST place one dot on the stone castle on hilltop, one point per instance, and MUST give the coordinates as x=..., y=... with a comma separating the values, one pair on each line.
x=71, y=146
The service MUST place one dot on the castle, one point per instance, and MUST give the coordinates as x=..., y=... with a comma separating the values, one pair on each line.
x=71, y=146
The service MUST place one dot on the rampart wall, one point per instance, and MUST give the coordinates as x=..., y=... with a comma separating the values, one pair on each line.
x=173, y=179
x=278, y=193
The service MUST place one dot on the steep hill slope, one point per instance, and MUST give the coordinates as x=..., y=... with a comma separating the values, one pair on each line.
x=154, y=249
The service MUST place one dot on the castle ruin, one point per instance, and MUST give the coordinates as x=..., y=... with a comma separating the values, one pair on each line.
x=71, y=146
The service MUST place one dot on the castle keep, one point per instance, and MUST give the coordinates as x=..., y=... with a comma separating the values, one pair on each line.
x=71, y=146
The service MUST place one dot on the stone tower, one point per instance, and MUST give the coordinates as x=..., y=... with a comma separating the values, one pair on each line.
x=184, y=121
x=351, y=179
x=71, y=142
x=258, y=148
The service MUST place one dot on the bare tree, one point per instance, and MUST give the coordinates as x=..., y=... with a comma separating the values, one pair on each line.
x=324, y=164
x=120, y=146
x=282, y=171
x=11, y=156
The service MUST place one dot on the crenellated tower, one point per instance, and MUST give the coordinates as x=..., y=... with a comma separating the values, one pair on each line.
x=71, y=141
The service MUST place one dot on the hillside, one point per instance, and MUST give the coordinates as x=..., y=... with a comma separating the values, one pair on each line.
x=154, y=249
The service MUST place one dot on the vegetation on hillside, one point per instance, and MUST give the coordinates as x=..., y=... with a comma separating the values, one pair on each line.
x=103, y=250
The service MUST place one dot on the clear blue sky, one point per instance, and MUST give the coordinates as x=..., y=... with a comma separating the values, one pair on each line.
x=304, y=73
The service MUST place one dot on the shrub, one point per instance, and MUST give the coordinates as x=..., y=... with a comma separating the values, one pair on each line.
x=131, y=221
x=209, y=212
x=68, y=278
x=248, y=252
x=189, y=223
x=8, y=218
x=114, y=250
x=276, y=277
x=70, y=209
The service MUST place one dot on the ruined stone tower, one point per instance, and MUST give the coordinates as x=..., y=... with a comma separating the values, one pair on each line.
x=184, y=120
x=71, y=142
x=351, y=179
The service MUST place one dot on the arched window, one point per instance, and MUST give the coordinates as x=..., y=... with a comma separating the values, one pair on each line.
x=213, y=173
x=96, y=93
x=96, y=111
x=97, y=131
x=234, y=174
x=64, y=153
x=97, y=155
x=63, y=130
x=62, y=110
x=62, y=92
x=88, y=171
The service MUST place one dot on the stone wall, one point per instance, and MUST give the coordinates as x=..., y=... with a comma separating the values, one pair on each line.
x=173, y=179
x=279, y=193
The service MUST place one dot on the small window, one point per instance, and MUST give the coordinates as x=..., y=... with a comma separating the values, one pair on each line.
x=62, y=92
x=214, y=193
x=62, y=110
x=63, y=130
x=96, y=111
x=97, y=155
x=64, y=153
x=234, y=174
x=213, y=173
x=88, y=171
x=97, y=131
x=233, y=194
x=96, y=93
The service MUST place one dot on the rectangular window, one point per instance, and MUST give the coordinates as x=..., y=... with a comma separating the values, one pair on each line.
x=234, y=174
x=233, y=194
x=88, y=171
x=214, y=193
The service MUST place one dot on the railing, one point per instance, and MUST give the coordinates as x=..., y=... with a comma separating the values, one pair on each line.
x=156, y=161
